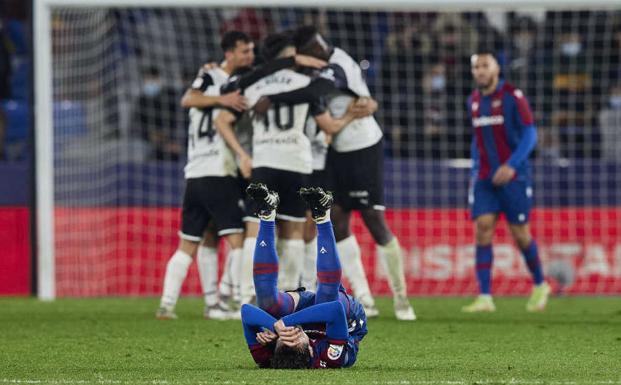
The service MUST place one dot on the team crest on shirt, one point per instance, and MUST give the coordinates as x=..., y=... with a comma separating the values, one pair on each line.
x=496, y=103
x=335, y=351
x=475, y=106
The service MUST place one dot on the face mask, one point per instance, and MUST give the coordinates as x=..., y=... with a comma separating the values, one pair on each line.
x=524, y=43
x=615, y=101
x=438, y=82
x=151, y=88
x=571, y=49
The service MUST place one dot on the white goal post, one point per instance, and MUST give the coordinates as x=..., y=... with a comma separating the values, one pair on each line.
x=43, y=84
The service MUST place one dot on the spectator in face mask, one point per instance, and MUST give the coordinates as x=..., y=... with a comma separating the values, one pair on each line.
x=525, y=57
x=610, y=125
x=572, y=88
x=159, y=117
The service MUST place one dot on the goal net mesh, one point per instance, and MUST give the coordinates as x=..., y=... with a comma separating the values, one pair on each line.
x=118, y=159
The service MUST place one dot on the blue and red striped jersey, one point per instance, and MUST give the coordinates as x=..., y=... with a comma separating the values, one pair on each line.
x=504, y=131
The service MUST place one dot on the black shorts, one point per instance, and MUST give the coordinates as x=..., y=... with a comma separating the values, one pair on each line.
x=211, y=198
x=357, y=177
x=319, y=178
x=286, y=184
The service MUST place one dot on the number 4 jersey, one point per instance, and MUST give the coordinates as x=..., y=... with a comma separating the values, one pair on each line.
x=208, y=154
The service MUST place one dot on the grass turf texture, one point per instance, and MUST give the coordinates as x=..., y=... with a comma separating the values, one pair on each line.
x=118, y=341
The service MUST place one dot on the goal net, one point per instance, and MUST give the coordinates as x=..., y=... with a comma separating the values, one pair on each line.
x=118, y=189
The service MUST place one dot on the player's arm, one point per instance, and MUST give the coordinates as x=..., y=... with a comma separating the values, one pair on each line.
x=330, y=313
x=224, y=125
x=364, y=106
x=527, y=143
x=203, y=93
x=194, y=98
x=254, y=321
x=252, y=76
x=332, y=126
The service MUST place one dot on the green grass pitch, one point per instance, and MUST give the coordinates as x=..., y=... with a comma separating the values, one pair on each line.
x=118, y=341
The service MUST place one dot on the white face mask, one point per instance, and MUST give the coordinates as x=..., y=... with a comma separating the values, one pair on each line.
x=151, y=88
x=615, y=101
x=571, y=49
x=438, y=82
x=524, y=43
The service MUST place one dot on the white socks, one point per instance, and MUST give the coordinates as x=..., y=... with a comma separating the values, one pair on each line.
x=246, y=287
x=176, y=270
x=351, y=265
x=230, y=282
x=309, y=267
x=207, y=261
x=291, y=262
x=392, y=261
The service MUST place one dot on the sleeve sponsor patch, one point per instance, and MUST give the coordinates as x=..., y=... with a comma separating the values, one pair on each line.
x=335, y=351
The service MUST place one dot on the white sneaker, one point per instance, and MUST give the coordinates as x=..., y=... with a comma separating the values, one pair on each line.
x=371, y=311
x=216, y=312
x=235, y=314
x=164, y=313
x=483, y=303
x=368, y=304
x=539, y=298
x=403, y=310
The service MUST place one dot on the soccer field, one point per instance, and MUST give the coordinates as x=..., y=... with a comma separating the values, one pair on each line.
x=117, y=341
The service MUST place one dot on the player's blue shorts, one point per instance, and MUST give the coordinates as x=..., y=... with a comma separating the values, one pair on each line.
x=513, y=199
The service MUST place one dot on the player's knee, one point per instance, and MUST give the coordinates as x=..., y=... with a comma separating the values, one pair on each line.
x=484, y=233
x=188, y=247
x=521, y=235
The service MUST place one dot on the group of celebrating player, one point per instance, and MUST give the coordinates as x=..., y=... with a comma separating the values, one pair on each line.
x=265, y=147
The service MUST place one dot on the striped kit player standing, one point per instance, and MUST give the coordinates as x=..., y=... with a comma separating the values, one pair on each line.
x=504, y=136
x=212, y=193
x=355, y=172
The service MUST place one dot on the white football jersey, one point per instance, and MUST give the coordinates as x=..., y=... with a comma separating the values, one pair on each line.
x=319, y=147
x=278, y=139
x=360, y=133
x=208, y=153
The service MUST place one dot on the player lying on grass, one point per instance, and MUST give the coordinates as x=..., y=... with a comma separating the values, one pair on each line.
x=301, y=329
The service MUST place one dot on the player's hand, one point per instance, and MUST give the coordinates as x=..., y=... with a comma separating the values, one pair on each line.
x=309, y=61
x=245, y=166
x=261, y=107
x=234, y=100
x=266, y=337
x=209, y=66
x=289, y=335
x=503, y=175
x=363, y=107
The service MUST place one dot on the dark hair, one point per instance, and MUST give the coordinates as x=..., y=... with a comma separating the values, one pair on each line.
x=485, y=50
x=304, y=35
x=230, y=39
x=286, y=357
x=151, y=71
x=274, y=44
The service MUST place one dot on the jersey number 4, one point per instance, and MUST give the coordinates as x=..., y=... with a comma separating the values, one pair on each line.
x=205, y=126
